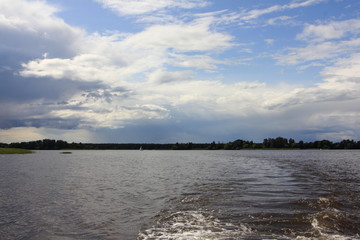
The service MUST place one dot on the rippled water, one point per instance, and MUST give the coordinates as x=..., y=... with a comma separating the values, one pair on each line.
x=180, y=195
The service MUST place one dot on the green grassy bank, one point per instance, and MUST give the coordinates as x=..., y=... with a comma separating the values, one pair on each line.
x=14, y=151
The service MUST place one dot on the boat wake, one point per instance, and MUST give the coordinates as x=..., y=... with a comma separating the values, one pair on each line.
x=330, y=223
x=191, y=225
x=325, y=224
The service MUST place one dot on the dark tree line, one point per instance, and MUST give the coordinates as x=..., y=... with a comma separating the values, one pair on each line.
x=268, y=143
x=284, y=143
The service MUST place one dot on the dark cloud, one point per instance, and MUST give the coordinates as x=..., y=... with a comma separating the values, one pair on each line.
x=15, y=88
x=23, y=100
x=106, y=94
x=57, y=123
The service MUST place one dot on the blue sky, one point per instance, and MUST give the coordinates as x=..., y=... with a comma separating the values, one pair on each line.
x=179, y=70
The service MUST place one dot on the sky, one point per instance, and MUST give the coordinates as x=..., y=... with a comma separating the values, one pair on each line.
x=166, y=71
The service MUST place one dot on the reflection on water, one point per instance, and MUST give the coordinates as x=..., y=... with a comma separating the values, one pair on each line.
x=180, y=195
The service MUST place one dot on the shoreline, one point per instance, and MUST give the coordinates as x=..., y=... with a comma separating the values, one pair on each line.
x=14, y=151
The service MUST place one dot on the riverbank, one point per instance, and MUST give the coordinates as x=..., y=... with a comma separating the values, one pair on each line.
x=14, y=151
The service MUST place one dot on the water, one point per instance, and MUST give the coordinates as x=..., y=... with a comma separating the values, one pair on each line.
x=148, y=195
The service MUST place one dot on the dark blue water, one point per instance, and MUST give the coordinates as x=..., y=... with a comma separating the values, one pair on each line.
x=180, y=195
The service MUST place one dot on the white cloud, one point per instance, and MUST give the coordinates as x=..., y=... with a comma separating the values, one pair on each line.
x=208, y=99
x=280, y=20
x=340, y=57
x=196, y=61
x=114, y=59
x=125, y=7
x=85, y=67
x=306, y=3
x=331, y=30
x=344, y=75
x=109, y=108
x=102, y=112
x=33, y=29
x=318, y=51
x=269, y=41
x=256, y=13
x=195, y=36
x=280, y=105
x=325, y=44
x=27, y=16
x=341, y=84
x=161, y=76
x=331, y=105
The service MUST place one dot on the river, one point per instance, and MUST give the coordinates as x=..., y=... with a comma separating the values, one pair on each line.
x=184, y=195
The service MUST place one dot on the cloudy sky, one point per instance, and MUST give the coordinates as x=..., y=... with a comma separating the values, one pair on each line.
x=179, y=70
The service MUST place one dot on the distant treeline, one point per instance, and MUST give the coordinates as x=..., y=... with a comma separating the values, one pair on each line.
x=268, y=143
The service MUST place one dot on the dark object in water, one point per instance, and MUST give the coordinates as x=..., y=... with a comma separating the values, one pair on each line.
x=66, y=152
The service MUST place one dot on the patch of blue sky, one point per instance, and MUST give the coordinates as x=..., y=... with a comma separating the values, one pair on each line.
x=90, y=16
x=264, y=71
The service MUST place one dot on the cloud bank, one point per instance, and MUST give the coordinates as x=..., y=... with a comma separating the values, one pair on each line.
x=160, y=84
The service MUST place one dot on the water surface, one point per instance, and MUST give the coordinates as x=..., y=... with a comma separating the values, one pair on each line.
x=180, y=195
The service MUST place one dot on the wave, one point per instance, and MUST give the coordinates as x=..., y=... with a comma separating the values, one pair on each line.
x=191, y=225
x=326, y=223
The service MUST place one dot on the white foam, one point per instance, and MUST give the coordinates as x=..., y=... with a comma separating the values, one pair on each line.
x=321, y=231
x=199, y=225
x=193, y=225
x=328, y=237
